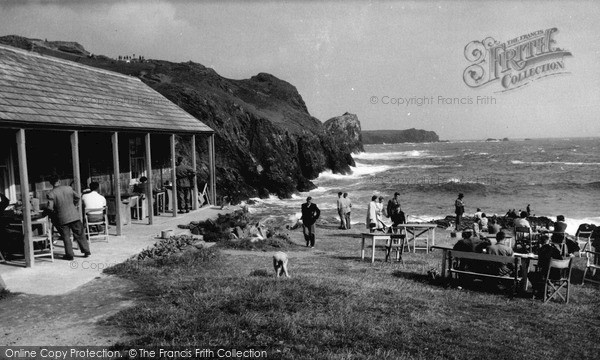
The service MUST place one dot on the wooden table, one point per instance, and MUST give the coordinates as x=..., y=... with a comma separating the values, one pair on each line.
x=374, y=238
x=417, y=230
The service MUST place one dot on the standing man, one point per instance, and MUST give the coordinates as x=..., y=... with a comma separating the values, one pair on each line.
x=394, y=210
x=347, y=209
x=63, y=202
x=310, y=214
x=340, y=210
x=459, y=209
x=184, y=175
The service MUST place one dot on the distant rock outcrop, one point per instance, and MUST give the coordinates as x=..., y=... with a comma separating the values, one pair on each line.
x=398, y=136
x=346, y=131
x=266, y=140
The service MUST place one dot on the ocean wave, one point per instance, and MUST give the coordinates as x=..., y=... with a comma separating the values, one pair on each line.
x=358, y=171
x=395, y=155
x=519, y=162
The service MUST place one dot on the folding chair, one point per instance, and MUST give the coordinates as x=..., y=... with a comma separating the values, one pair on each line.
x=555, y=281
x=593, y=264
x=100, y=226
x=584, y=240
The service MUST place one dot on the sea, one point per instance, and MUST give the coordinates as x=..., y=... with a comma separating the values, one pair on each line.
x=554, y=176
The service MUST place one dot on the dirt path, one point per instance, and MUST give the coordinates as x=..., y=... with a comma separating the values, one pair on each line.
x=70, y=319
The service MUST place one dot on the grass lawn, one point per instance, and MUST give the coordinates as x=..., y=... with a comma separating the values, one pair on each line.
x=336, y=307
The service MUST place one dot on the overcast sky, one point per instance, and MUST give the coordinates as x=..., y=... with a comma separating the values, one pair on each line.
x=354, y=56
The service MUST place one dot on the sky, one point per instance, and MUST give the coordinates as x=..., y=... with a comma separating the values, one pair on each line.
x=364, y=57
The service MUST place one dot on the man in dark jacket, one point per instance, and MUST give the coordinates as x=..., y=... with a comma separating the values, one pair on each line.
x=185, y=175
x=310, y=214
x=63, y=202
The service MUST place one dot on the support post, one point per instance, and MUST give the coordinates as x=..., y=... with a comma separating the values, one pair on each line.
x=76, y=168
x=150, y=199
x=117, y=189
x=195, y=178
x=211, y=166
x=173, y=176
x=24, y=177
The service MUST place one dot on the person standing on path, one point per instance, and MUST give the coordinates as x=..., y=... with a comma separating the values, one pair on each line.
x=340, y=202
x=459, y=209
x=347, y=209
x=310, y=214
x=63, y=202
x=184, y=175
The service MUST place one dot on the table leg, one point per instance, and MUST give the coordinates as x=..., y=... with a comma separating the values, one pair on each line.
x=444, y=255
x=524, y=273
x=362, y=249
x=373, y=252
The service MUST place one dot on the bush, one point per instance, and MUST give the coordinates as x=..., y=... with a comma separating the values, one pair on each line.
x=166, y=247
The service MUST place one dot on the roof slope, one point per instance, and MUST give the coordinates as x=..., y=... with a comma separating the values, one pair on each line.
x=49, y=92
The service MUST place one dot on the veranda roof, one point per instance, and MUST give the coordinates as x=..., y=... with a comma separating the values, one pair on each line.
x=40, y=91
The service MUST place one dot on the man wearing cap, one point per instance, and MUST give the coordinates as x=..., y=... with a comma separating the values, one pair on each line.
x=459, y=209
x=310, y=214
x=394, y=211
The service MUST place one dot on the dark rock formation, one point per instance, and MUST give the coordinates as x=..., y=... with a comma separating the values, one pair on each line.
x=266, y=140
x=398, y=136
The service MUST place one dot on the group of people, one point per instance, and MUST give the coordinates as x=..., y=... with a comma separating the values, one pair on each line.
x=375, y=213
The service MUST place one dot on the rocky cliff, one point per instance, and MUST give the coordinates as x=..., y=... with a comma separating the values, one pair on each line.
x=398, y=136
x=266, y=140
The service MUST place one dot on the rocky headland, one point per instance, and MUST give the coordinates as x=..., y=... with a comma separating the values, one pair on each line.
x=398, y=136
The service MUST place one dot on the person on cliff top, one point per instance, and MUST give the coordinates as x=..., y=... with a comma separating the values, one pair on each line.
x=310, y=214
x=459, y=209
x=347, y=210
x=341, y=214
x=394, y=210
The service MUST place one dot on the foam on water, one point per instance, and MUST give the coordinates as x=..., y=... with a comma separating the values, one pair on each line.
x=357, y=172
x=395, y=155
x=519, y=162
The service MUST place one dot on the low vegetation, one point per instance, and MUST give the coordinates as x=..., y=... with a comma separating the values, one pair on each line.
x=336, y=307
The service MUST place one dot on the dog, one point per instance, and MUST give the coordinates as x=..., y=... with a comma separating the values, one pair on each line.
x=280, y=263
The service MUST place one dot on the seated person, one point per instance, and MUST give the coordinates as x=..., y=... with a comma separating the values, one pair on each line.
x=93, y=200
x=550, y=250
x=141, y=188
x=483, y=222
x=469, y=244
x=501, y=249
x=478, y=214
x=522, y=221
x=560, y=226
x=493, y=227
x=11, y=240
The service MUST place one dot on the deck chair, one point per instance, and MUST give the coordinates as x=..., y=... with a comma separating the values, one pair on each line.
x=593, y=264
x=584, y=240
x=96, y=229
x=553, y=285
x=523, y=239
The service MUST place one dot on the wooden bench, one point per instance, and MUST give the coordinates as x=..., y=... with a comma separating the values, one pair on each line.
x=482, y=259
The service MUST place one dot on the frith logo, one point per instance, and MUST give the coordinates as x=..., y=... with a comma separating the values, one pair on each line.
x=514, y=63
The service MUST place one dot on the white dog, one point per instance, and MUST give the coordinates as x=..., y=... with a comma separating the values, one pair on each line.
x=280, y=262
